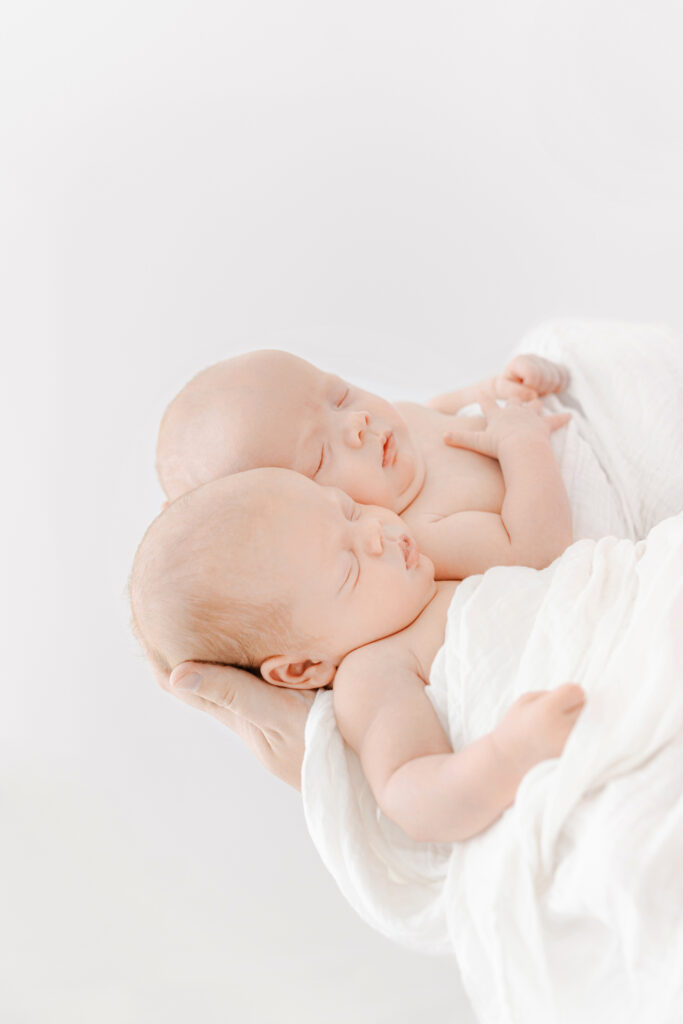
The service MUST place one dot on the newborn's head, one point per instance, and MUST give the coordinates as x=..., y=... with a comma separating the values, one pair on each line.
x=273, y=409
x=264, y=569
x=196, y=586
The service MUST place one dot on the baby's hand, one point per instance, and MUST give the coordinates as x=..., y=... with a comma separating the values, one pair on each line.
x=512, y=420
x=527, y=376
x=537, y=726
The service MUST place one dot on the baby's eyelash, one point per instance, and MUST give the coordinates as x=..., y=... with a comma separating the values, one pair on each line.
x=353, y=568
x=343, y=398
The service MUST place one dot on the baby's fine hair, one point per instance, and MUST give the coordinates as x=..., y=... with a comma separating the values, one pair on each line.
x=200, y=436
x=189, y=585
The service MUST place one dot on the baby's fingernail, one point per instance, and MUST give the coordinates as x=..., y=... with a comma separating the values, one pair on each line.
x=191, y=681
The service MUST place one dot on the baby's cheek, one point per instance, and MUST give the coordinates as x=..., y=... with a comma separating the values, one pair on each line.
x=362, y=484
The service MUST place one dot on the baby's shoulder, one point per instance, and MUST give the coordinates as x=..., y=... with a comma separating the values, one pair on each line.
x=368, y=677
x=410, y=407
x=414, y=414
x=370, y=664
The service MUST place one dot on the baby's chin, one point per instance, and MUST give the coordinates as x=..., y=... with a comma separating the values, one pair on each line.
x=409, y=482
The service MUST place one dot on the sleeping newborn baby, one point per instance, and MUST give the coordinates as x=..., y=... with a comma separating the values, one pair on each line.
x=492, y=495
x=266, y=570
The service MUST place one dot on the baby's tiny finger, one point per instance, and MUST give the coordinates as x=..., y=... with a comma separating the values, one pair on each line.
x=563, y=374
x=454, y=438
x=557, y=420
x=472, y=440
x=570, y=697
x=513, y=389
x=527, y=394
x=487, y=402
x=531, y=695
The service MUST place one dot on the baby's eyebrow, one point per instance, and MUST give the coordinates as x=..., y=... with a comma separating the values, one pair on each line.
x=347, y=503
x=339, y=384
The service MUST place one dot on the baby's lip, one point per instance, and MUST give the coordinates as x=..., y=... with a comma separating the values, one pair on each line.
x=388, y=449
x=409, y=549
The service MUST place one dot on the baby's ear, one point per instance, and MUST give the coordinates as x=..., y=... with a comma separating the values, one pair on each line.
x=297, y=675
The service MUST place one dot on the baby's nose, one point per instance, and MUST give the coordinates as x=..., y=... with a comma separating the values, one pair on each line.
x=355, y=428
x=374, y=539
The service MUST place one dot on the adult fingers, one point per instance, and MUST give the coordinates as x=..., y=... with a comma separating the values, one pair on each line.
x=161, y=676
x=238, y=693
x=270, y=719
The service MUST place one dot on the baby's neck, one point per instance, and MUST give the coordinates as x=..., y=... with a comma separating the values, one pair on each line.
x=409, y=411
x=426, y=634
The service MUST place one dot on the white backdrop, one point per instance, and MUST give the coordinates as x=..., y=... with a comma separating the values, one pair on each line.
x=394, y=190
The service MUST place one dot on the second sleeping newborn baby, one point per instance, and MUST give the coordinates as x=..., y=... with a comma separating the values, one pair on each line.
x=266, y=570
x=492, y=495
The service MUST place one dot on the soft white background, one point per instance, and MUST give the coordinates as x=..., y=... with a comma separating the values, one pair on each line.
x=394, y=190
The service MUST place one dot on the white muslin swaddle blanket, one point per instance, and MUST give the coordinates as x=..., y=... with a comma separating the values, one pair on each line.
x=621, y=454
x=571, y=905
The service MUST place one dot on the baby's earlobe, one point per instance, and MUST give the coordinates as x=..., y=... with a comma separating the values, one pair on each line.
x=298, y=675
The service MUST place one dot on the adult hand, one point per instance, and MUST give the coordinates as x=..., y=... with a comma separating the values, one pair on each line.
x=270, y=719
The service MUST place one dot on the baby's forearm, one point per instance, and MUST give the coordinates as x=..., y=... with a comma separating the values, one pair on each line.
x=451, y=797
x=453, y=401
x=536, y=512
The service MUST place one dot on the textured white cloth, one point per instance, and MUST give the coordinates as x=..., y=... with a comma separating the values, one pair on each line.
x=572, y=903
x=621, y=455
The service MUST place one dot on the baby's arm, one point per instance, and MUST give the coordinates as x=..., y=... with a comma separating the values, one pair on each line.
x=535, y=522
x=434, y=794
x=525, y=377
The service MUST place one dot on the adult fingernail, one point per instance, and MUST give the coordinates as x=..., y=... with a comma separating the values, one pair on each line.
x=191, y=681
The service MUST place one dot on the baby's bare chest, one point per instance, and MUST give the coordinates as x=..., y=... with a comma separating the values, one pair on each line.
x=456, y=480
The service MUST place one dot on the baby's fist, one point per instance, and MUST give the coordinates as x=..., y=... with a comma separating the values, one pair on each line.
x=538, y=725
x=527, y=376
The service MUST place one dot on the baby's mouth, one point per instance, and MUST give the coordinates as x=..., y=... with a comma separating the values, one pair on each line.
x=411, y=555
x=389, y=450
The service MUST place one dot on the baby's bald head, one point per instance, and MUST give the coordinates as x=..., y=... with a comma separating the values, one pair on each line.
x=197, y=587
x=236, y=415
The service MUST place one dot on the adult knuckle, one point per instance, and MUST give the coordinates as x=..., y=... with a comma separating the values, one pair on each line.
x=228, y=696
